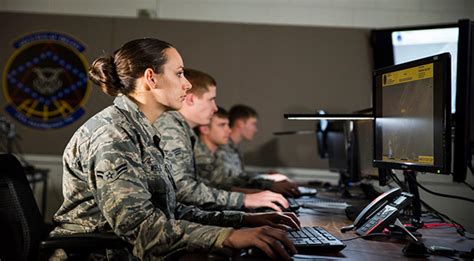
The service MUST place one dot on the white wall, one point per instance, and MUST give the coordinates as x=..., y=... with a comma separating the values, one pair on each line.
x=343, y=13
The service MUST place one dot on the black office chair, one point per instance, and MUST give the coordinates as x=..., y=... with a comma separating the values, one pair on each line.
x=22, y=228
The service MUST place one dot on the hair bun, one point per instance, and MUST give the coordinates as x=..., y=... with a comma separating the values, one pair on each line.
x=103, y=72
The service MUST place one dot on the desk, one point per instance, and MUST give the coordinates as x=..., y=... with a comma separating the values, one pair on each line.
x=382, y=248
x=360, y=249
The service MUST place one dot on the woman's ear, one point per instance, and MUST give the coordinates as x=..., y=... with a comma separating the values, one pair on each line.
x=150, y=80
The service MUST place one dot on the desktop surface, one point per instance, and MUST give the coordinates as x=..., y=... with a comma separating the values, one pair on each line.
x=379, y=248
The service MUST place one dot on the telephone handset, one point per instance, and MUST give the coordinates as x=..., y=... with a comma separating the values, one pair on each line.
x=380, y=213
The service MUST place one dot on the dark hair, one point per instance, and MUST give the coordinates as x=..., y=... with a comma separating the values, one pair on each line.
x=118, y=73
x=220, y=113
x=200, y=81
x=241, y=111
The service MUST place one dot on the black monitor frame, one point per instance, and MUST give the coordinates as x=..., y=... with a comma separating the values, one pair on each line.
x=381, y=42
x=464, y=116
x=442, y=128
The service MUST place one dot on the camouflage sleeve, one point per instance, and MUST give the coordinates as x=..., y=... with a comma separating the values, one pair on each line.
x=221, y=174
x=116, y=173
x=224, y=218
x=206, y=169
x=190, y=190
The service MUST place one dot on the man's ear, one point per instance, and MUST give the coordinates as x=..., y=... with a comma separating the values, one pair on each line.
x=239, y=123
x=189, y=99
x=204, y=129
x=150, y=81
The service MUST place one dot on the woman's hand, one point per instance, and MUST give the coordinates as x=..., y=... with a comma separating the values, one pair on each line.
x=273, y=241
x=281, y=220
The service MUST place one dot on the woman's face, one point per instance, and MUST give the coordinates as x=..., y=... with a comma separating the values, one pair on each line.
x=171, y=82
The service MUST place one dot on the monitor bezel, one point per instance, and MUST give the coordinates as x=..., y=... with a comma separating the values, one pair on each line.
x=445, y=60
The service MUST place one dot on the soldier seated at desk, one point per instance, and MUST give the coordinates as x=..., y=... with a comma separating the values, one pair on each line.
x=115, y=178
x=179, y=141
x=215, y=170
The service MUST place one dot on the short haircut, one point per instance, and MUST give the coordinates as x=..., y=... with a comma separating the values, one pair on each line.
x=200, y=81
x=241, y=111
x=220, y=113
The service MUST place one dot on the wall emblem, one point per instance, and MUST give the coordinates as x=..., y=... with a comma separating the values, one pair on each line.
x=45, y=80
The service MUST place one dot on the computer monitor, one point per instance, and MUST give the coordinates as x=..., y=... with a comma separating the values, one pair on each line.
x=399, y=45
x=462, y=81
x=412, y=104
x=321, y=131
x=363, y=147
x=341, y=155
x=464, y=116
x=337, y=145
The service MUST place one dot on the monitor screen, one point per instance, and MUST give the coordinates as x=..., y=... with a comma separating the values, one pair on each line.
x=337, y=151
x=412, y=115
x=365, y=140
x=409, y=45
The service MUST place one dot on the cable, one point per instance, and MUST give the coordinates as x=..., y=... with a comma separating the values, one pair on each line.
x=469, y=185
x=460, y=228
x=366, y=236
x=400, y=183
x=441, y=194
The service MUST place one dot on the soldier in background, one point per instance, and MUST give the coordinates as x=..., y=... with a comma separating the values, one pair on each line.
x=179, y=141
x=115, y=178
x=243, y=124
x=207, y=164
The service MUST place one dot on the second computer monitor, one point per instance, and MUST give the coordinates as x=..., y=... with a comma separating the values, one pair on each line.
x=363, y=146
x=412, y=115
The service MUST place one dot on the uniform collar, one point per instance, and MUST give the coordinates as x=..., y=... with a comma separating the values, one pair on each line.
x=124, y=103
x=203, y=147
x=231, y=144
x=179, y=117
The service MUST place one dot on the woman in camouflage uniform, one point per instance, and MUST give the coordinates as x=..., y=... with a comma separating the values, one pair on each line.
x=115, y=178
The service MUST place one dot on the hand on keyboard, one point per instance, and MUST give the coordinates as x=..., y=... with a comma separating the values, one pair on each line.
x=274, y=219
x=286, y=187
x=274, y=242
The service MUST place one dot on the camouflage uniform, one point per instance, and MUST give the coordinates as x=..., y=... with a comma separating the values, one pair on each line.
x=216, y=172
x=178, y=142
x=115, y=180
x=230, y=156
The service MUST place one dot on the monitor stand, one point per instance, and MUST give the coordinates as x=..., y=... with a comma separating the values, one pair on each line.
x=410, y=180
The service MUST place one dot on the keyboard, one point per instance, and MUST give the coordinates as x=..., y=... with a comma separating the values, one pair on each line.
x=316, y=203
x=312, y=240
x=306, y=191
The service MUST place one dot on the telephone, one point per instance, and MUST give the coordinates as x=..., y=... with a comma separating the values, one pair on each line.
x=380, y=213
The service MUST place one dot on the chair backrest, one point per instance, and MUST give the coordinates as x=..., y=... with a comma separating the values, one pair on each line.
x=20, y=219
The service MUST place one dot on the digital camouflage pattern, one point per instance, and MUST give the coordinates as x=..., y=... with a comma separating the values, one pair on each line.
x=231, y=157
x=222, y=173
x=178, y=142
x=115, y=180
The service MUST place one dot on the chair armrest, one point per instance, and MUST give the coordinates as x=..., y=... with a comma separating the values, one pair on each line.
x=85, y=241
